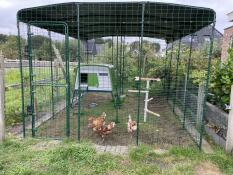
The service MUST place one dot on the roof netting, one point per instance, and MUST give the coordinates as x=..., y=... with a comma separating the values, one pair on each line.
x=102, y=19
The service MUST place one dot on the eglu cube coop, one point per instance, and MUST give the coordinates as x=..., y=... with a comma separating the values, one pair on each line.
x=89, y=62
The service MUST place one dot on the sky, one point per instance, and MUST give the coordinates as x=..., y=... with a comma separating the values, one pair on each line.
x=9, y=8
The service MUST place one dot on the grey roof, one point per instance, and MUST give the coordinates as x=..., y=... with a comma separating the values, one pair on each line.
x=90, y=47
x=200, y=37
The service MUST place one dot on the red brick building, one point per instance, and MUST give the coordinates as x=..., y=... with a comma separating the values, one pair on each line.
x=227, y=38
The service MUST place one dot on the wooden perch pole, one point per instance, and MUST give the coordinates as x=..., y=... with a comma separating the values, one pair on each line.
x=59, y=59
x=146, y=110
x=2, y=95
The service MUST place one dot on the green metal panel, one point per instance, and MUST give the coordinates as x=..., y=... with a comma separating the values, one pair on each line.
x=169, y=73
x=176, y=75
x=31, y=75
x=51, y=73
x=187, y=80
x=21, y=80
x=207, y=85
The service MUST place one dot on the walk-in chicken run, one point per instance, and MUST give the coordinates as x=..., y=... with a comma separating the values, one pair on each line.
x=117, y=73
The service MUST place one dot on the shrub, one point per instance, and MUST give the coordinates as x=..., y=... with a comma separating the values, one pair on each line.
x=222, y=79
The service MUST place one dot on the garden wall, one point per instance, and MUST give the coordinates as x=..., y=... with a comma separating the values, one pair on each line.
x=218, y=118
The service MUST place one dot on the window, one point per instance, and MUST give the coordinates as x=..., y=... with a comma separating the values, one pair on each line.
x=231, y=42
x=103, y=74
x=83, y=78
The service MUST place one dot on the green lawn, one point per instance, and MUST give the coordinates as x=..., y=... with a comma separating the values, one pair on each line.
x=92, y=80
x=24, y=157
x=43, y=93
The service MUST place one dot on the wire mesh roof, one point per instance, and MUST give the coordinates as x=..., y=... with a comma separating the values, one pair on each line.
x=161, y=20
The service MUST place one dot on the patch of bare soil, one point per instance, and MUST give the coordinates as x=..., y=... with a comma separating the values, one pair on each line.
x=164, y=131
x=207, y=168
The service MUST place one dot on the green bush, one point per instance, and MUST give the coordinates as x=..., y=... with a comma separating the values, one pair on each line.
x=222, y=79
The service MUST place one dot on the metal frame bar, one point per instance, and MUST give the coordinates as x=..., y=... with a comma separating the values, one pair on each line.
x=123, y=68
x=140, y=71
x=51, y=71
x=121, y=56
x=112, y=51
x=207, y=84
x=21, y=79
x=165, y=69
x=79, y=74
x=67, y=57
x=177, y=70
x=169, y=74
x=87, y=54
x=31, y=75
x=117, y=88
x=67, y=77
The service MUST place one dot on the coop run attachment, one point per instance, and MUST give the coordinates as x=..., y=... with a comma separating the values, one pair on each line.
x=80, y=61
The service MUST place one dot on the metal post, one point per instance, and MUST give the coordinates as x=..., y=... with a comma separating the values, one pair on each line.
x=140, y=72
x=169, y=74
x=120, y=78
x=176, y=78
x=165, y=70
x=21, y=78
x=31, y=76
x=67, y=60
x=112, y=51
x=51, y=71
x=123, y=68
x=187, y=80
x=87, y=50
x=79, y=75
x=117, y=89
x=2, y=96
x=139, y=46
x=207, y=81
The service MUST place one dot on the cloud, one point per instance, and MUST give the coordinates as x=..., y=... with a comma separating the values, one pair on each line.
x=5, y=4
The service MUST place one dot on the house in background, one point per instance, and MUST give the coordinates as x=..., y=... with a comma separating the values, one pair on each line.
x=227, y=38
x=201, y=37
x=91, y=48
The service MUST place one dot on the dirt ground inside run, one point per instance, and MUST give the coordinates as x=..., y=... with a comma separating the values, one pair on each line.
x=165, y=130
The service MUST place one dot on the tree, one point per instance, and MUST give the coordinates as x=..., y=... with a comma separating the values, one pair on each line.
x=38, y=40
x=43, y=52
x=9, y=48
x=3, y=38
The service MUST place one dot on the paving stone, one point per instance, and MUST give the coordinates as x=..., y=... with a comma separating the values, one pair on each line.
x=116, y=150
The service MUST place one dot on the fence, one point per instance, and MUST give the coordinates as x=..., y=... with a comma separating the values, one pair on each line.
x=216, y=120
x=2, y=117
x=12, y=97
